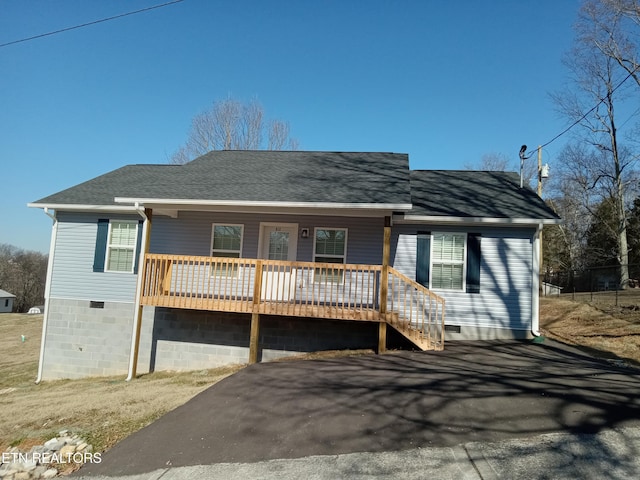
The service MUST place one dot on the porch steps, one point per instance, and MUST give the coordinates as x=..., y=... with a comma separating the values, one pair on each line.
x=411, y=333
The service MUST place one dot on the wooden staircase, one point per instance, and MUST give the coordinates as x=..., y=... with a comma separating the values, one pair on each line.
x=414, y=311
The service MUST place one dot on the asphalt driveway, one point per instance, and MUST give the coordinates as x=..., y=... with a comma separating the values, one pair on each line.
x=471, y=392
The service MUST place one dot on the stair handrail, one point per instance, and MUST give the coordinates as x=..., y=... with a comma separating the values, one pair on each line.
x=414, y=320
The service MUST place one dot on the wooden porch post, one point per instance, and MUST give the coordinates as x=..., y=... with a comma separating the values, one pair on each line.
x=137, y=322
x=255, y=335
x=384, y=286
x=384, y=275
x=254, y=339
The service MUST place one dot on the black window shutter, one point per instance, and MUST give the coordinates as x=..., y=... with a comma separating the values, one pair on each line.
x=138, y=245
x=473, y=263
x=423, y=258
x=101, y=245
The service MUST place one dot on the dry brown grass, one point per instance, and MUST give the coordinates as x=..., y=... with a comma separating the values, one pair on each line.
x=612, y=331
x=103, y=409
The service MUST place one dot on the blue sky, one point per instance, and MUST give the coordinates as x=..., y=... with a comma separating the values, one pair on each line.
x=445, y=82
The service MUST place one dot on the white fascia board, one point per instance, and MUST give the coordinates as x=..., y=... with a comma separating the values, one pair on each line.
x=408, y=219
x=59, y=207
x=168, y=202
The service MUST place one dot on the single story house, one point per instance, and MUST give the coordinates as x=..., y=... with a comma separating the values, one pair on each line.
x=6, y=301
x=253, y=255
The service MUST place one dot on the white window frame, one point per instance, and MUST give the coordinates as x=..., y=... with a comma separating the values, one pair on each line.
x=432, y=261
x=229, y=271
x=107, y=258
x=213, y=229
x=343, y=256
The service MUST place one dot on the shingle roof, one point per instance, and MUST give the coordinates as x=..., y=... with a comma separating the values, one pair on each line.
x=474, y=194
x=268, y=176
x=315, y=177
x=5, y=294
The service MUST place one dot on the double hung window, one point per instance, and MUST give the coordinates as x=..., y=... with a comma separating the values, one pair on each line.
x=330, y=246
x=447, y=261
x=226, y=241
x=121, y=246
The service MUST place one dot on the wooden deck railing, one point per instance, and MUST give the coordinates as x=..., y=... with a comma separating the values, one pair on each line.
x=415, y=311
x=303, y=289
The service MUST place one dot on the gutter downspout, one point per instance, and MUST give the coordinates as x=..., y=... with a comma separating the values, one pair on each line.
x=47, y=291
x=535, y=284
x=137, y=311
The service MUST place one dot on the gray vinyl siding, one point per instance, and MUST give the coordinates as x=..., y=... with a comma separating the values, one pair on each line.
x=190, y=234
x=73, y=276
x=504, y=301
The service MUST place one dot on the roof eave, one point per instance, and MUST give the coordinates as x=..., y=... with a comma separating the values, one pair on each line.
x=178, y=202
x=79, y=207
x=451, y=220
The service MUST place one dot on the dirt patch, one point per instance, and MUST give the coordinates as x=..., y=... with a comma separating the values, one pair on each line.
x=612, y=331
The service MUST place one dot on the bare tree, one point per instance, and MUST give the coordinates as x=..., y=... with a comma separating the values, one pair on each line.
x=499, y=162
x=279, y=137
x=615, y=25
x=496, y=162
x=597, y=165
x=23, y=273
x=232, y=125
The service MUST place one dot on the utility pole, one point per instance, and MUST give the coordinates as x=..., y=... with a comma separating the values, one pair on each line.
x=543, y=172
x=540, y=176
x=540, y=173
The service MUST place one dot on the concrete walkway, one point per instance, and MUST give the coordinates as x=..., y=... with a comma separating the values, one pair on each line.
x=476, y=410
x=611, y=454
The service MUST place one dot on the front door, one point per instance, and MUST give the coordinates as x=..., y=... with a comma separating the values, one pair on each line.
x=279, y=241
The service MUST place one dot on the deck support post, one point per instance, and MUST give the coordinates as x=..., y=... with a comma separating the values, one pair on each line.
x=382, y=337
x=254, y=340
x=384, y=274
x=255, y=316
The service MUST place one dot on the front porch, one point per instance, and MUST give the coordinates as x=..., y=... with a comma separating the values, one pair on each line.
x=370, y=293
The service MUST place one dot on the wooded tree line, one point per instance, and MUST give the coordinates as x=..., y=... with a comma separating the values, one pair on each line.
x=23, y=273
x=595, y=186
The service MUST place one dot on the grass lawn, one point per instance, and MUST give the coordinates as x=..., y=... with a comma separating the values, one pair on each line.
x=607, y=330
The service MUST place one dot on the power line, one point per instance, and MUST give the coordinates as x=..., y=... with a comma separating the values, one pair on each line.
x=89, y=23
x=586, y=114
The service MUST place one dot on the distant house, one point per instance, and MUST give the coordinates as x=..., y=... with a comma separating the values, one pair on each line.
x=245, y=255
x=6, y=301
x=549, y=289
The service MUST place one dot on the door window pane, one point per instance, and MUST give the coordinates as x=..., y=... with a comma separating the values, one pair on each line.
x=278, y=245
